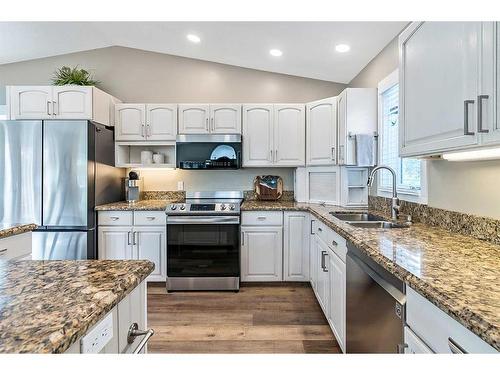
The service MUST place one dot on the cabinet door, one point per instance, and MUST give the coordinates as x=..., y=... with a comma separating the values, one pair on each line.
x=193, y=119
x=225, y=118
x=439, y=73
x=130, y=122
x=313, y=249
x=337, y=274
x=72, y=102
x=296, y=246
x=321, y=132
x=161, y=122
x=150, y=243
x=132, y=309
x=261, y=254
x=289, y=135
x=489, y=101
x=115, y=243
x=323, y=281
x=258, y=135
x=30, y=102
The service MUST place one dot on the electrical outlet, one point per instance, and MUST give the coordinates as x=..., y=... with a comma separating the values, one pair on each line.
x=94, y=341
x=180, y=185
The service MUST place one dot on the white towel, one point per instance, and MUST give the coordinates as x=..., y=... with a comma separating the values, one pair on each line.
x=364, y=150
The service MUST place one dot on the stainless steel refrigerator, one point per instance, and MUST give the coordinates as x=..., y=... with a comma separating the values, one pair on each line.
x=53, y=174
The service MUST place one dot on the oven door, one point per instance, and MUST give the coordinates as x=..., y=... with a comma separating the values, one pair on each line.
x=203, y=246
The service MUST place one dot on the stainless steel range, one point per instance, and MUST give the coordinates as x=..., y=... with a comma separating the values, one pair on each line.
x=203, y=241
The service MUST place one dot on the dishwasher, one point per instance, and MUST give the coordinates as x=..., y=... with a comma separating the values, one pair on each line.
x=375, y=301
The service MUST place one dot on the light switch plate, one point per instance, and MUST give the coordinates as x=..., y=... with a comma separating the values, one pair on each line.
x=94, y=341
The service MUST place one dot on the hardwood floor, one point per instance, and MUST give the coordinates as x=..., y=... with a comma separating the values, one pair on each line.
x=260, y=318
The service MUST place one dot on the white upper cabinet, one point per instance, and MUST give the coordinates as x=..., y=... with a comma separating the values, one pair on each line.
x=68, y=102
x=161, y=122
x=321, y=129
x=130, y=121
x=273, y=135
x=72, y=102
x=194, y=119
x=258, y=135
x=289, y=135
x=225, y=118
x=30, y=102
x=357, y=114
x=439, y=86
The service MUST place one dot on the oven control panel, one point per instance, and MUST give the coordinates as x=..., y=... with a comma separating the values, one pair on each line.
x=202, y=208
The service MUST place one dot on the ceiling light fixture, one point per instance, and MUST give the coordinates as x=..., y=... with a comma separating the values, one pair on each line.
x=275, y=52
x=342, y=48
x=486, y=154
x=193, y=38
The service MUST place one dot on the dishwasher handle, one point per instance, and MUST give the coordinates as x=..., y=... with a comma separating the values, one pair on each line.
x=387, y=286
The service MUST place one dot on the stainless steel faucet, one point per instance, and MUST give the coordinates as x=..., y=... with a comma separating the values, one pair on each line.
x=395, y=200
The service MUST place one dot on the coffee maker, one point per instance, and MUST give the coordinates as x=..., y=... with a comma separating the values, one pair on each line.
x=133, y=187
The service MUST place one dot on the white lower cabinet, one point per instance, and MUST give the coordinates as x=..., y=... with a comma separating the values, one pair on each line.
x=336, y=318
x=413, y=343
x=134, y=242
x=323, y=280
x=110, y=335
x=296, y=246
x=16, y=247
x=261, y=253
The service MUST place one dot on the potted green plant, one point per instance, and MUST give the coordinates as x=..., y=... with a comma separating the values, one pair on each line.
x=73, y=76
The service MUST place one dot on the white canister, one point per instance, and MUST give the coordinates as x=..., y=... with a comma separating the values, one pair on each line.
x=158, y=158
x=146, y=157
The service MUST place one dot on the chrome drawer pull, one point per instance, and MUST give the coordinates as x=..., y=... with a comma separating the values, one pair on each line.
x=261, y=218
x=466, y=117
x=3, y=251
x=134, y=332
x=114, y=218
x=320, y=230
x=334, y=243
x=150, y=217
x=480, y=114
x=323, y=265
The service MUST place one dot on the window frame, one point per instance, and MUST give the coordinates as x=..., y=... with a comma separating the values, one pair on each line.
x=403, y=193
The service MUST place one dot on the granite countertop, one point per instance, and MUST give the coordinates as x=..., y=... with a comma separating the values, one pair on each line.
x=45, y=306
x=458, y=273
x=7, y=230
x=142, y=205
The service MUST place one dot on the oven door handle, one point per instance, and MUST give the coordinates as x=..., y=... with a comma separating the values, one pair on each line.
x=203, y=220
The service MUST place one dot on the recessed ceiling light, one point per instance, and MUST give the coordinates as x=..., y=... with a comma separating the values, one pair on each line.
x=342, y=47
x=193, y=38
x=275, y=52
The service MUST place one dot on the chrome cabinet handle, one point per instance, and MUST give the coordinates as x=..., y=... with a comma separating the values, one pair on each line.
x=312, y=221
x=134, y=332
x=213, y=123
x=128, y=238
x=272, y=156
x=323, y=265
x=276, y=155
x=148, y=130
x=150, y=218
x=114, y=218
x=2, y=251
x=54, y=108
x=48, y=107
x=206, y=123
x=134, y=238
x=242, y=238
x=261, y=218
x=333, y=153
x=455, y=348
x=466, y=117
x=142, y=131
x=480, y=113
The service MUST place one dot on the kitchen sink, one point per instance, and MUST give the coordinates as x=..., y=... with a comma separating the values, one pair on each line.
x=377, y=224
x=363, y=216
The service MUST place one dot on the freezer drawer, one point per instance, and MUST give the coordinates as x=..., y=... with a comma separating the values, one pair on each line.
x=48, y=245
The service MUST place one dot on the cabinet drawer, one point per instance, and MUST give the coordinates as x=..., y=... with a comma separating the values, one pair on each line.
x=115, y=217
x=262, y=218
x=150, y=218
x=321, y=230
x=337, y=244
x=438, y=330
x=15, y=247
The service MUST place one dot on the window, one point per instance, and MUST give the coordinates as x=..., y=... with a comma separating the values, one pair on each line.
x=410, y=172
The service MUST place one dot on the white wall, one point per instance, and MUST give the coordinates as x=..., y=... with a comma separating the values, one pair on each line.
x=141, y=76
x=468, y=187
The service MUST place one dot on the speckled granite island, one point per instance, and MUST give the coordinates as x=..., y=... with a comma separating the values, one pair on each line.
x=457, y=273
x=47, y=306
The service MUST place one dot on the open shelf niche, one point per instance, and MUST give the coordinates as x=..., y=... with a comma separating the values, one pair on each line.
x=128, y=154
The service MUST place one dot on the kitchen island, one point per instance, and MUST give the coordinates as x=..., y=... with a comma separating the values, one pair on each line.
x=48, y=306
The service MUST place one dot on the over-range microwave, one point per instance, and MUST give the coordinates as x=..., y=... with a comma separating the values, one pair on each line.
x=211, y=151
